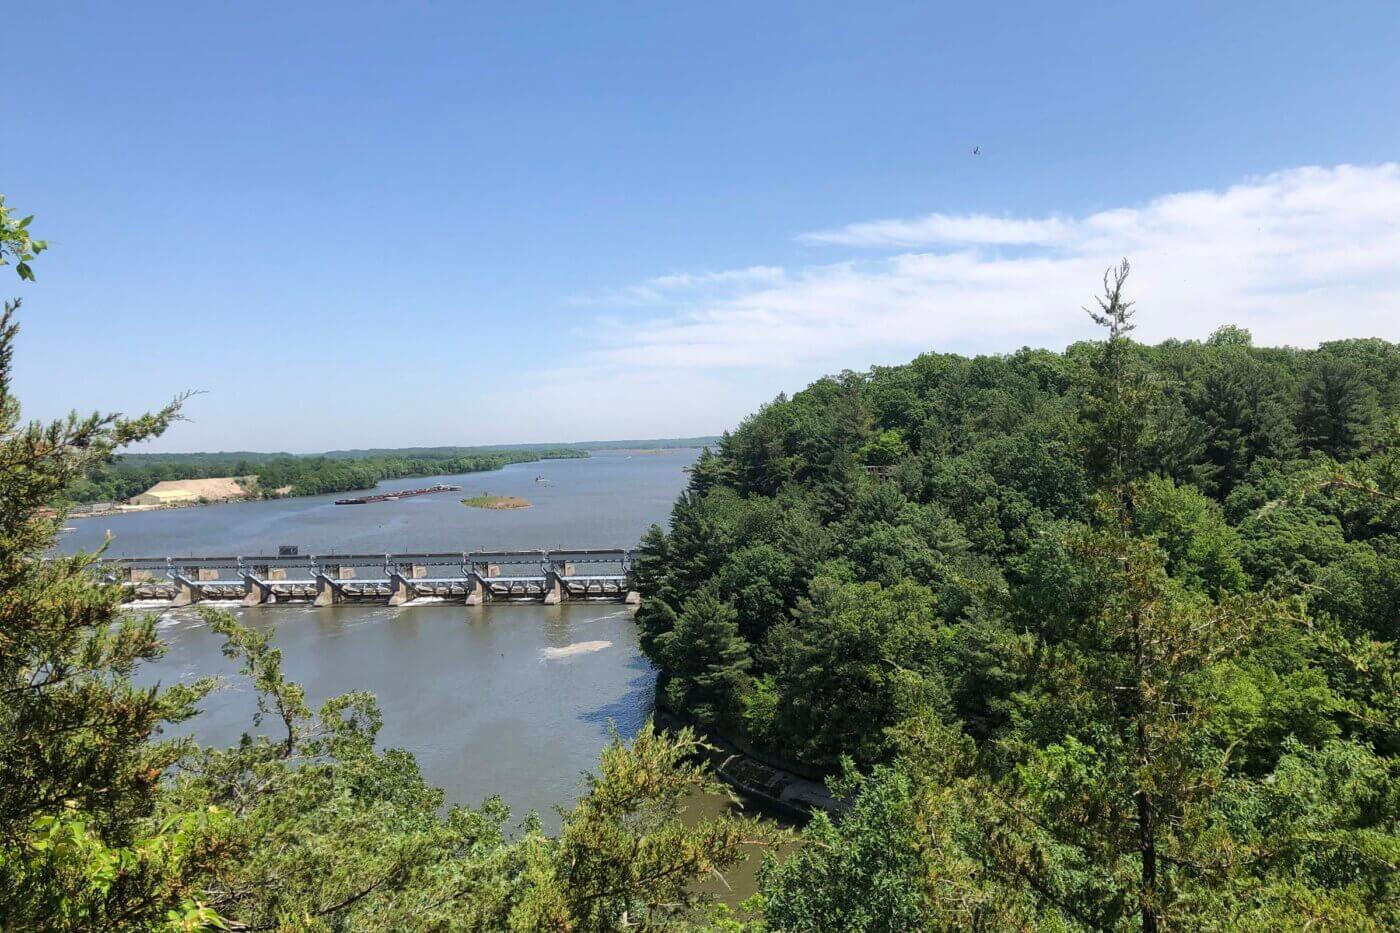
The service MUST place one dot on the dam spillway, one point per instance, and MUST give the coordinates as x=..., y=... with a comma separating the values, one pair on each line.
x=470, y=577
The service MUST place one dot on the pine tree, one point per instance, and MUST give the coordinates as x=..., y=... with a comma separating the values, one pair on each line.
x=79, y=766
x=1338, y=409
x=1243, y=406
x=1111, y=781
x=1119, y=389
x=708, y=659
x=1111, y=807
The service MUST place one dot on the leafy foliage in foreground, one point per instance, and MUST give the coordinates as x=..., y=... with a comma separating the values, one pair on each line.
x=1108, y=636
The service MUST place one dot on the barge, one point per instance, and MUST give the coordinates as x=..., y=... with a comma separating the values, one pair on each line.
x=404, y=494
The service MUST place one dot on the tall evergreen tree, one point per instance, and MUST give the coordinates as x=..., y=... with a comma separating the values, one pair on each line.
x=1339, y=409
x=707, y=658
x=1119, y=390
x=1245, y=407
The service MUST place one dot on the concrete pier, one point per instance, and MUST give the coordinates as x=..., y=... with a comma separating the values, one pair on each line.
x=476, y=591
x=187, y=591
x=327, y=593
x=402, y=589
x=259, y=591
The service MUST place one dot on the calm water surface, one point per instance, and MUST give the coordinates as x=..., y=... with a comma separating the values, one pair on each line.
x=607, y=500
x=473, y=692
x=470, y=691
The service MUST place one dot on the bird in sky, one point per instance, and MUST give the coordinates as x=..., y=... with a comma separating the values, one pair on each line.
x=976, y=150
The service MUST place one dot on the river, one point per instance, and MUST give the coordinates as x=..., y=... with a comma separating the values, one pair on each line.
x=475, y=694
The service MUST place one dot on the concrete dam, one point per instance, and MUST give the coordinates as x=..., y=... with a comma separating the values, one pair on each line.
x=472, y=578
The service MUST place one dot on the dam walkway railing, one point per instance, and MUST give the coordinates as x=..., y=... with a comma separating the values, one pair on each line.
x=469, y=577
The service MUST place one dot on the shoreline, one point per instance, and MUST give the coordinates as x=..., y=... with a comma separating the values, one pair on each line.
x=777, y=789
x=127, y=509
x=136, y=509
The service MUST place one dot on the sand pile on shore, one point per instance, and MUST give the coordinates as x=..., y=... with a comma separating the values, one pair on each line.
x=186, y=491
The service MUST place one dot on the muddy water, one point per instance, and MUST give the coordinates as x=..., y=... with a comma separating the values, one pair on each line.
x=515, y=700
x=489, y=699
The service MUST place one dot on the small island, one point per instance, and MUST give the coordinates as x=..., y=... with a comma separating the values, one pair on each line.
x=486, y=501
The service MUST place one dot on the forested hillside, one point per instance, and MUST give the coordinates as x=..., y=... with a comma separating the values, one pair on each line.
x=1108, y=635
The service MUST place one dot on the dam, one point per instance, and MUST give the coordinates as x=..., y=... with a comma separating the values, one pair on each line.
x=472, y=578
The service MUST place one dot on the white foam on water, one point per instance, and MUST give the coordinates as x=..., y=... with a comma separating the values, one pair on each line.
x=578, y=647
x=170, y=619
x=147, y=604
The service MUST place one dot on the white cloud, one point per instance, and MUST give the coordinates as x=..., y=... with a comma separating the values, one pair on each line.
x=662, y=288
x=1298, y=257
x=936, y=229
x=728, y=276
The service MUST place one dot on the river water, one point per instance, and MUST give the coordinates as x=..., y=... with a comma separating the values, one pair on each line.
x=605, y=501
x=479, y=695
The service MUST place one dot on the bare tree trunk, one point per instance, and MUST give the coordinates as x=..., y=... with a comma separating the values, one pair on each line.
x=1147, y=847
x=1146, y=816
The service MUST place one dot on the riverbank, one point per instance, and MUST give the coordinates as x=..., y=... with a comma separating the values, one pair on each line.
x=88, y=510
x=163, y=507
x=776, y=787
x=134, y=477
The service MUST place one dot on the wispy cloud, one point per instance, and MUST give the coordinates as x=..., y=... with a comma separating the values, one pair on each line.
x=665, y=283
x=663, y=288
x=1301, y=256
x=1298, y=256
x=938, y=229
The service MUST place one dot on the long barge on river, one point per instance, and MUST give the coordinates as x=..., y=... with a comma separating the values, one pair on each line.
x=402, y=494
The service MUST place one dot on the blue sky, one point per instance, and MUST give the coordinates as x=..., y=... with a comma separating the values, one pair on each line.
x=391, y=224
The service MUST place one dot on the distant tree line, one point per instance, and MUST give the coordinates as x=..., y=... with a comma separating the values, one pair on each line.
x=300, y=476
x=639, y=444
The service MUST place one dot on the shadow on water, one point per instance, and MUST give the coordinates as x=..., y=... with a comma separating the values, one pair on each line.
x=628, y=712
